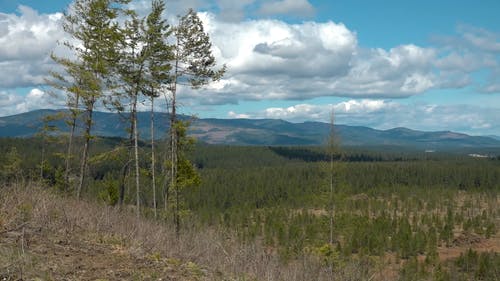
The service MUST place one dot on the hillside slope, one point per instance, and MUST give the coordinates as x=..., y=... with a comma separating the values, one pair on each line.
x=45, y=236
x=256, y=131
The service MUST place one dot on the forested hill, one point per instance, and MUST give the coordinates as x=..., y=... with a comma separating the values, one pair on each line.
x=255, y=131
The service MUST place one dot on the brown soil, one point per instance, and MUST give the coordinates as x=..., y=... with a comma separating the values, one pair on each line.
x=59, y=257
x=467, y=241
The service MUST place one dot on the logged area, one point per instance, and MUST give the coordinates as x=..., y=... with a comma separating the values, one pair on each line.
x=257, y=213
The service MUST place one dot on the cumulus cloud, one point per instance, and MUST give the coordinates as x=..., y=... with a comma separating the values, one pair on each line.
x=26, y=41
x=301, y=112
x=232, y=114
x=7, y=100
x=300, y=8
x=275, y=60
x=13, y=103
x=28, y=35
x=271, y=59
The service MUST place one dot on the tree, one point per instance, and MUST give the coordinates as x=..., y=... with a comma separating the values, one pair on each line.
x=158, y=64
x=45, y=133
x=12, y=167
x=186, y=175
x=131, y=68
x=143, y=67
x=194, y=66
x=332, y=148
x=71, y=84
x=92, y=24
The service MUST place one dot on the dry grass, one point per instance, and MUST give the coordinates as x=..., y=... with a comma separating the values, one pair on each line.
x=46, y=236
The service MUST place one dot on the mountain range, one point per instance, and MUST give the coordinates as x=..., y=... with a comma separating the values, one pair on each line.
x=255, y=131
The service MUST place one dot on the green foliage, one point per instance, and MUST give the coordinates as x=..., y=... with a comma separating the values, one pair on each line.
x=159, y=53
x=11, y=169
x=480, y=266
x=193, y=52
x=263, y=196
x=413, y=270
x=329, y=255
x=109, y=193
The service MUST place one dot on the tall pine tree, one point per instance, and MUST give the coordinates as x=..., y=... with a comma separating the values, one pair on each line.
x=193, y=65
x=93, y=27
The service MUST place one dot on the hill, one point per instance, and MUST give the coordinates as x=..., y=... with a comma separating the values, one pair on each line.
x=45, y=236
x=257, y=132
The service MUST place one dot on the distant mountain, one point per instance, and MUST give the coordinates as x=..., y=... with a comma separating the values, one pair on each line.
x=257, y=132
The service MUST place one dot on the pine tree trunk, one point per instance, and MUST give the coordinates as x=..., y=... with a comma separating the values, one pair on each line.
x=173, y=140
x=83, y=166
x=126, y=167
x=166, y=182
x=136, y=154
x=173, y=171
x=70, y=142
x=153, y=166
x=43, y=158
x=125, y=170
x=332, y=150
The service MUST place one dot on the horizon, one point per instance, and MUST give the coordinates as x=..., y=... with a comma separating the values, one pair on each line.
x=496, y=137
x=425, y=66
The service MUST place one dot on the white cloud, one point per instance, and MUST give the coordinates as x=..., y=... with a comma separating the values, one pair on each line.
x=271, y=60
x=29, y=35
x=26, y=40
x=13, y=103
x=274, y=60
x=472, y=50
x=7, y=100
x=287, y=7
x=363, y=106
x=302, y=112
x=479, y=38
x=232, y=114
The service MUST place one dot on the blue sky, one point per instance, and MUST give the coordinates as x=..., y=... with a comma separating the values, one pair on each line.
x=428, y=65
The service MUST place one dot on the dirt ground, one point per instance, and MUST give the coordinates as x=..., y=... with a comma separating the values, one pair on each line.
x=464, y=242
x=30, y=254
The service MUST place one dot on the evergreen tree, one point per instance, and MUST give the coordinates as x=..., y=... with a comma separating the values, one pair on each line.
x=93, y=25
x=193, y=63
x=131, y=68
x=12, y=170
x=158, y=66
x=69, y=82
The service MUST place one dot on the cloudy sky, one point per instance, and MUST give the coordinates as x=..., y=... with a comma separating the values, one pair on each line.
x=428, y=65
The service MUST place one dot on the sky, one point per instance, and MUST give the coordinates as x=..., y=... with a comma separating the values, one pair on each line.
x=425, y=65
